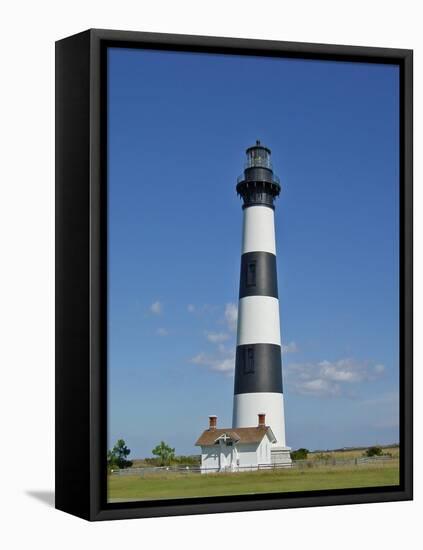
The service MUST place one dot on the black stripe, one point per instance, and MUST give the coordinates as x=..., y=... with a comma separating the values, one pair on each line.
x=258, y=368
x=258, y=275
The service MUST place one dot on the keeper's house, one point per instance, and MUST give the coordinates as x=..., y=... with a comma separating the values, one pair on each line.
x=235, y=449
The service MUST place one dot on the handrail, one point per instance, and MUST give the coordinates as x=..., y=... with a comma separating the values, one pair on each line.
x=275, y=179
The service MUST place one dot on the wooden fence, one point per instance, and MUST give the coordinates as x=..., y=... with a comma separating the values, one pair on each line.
x=300, y=464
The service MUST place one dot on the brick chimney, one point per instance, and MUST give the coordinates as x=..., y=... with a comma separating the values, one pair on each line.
x=261, y=419
x=212, y=422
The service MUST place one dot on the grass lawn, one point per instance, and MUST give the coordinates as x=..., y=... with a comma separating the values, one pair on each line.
x=180, y=485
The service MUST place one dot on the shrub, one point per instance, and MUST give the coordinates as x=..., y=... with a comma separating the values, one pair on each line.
x=299, y=454
x=373, y=451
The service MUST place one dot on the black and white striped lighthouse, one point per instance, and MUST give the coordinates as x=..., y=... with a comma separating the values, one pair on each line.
x=258, y=367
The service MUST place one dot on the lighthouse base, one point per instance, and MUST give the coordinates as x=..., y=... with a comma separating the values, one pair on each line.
x=280, y=457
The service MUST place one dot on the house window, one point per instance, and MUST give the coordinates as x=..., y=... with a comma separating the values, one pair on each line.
x=249, y=361
x=251, y=274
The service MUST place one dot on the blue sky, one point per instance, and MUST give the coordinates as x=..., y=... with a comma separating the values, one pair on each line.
x=179, y=124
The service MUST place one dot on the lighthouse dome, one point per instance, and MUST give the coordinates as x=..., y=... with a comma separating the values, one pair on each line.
x=258, y=185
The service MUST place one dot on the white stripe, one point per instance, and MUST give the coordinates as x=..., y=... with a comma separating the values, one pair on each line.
x=247, y=406
x=258, y=320
x=258, y=232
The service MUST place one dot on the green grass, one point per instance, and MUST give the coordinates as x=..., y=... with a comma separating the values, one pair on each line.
x=174, y=485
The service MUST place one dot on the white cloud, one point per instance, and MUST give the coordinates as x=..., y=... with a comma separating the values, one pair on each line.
x=223, y=358
x=290, y=348
x=342, y=371
x=231, y=316
x=225, y=363
x=202, y=309
x=217, y=337
x=328, y=379
x=200, y=359
x=156, y=308
x=318, y=386
x=379, y=369
x=162, y=332
x=227, y=366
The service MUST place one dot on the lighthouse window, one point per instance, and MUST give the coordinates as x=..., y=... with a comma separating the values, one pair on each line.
x=249, y=361
x=251, y=274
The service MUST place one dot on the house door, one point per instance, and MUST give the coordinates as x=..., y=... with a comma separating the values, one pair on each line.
x=225, y=457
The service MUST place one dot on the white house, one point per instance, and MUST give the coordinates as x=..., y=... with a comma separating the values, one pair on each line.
x=235, y=449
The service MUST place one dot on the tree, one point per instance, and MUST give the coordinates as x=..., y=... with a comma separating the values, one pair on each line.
x=165, y=453
x=299, y=454
x=111, y=461
x=116, y=458
x=373, y=451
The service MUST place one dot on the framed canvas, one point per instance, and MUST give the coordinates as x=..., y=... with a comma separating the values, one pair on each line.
x=206, y=189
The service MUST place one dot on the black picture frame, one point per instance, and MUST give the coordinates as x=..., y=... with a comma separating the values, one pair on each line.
x=81, y=274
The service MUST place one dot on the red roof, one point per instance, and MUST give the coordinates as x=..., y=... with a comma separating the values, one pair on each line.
x=238, y=435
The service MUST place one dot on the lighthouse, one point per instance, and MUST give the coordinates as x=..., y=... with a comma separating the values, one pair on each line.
x=258, y=386
x=257, y=437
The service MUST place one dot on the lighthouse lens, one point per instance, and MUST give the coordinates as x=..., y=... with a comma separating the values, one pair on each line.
x=258, y=158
